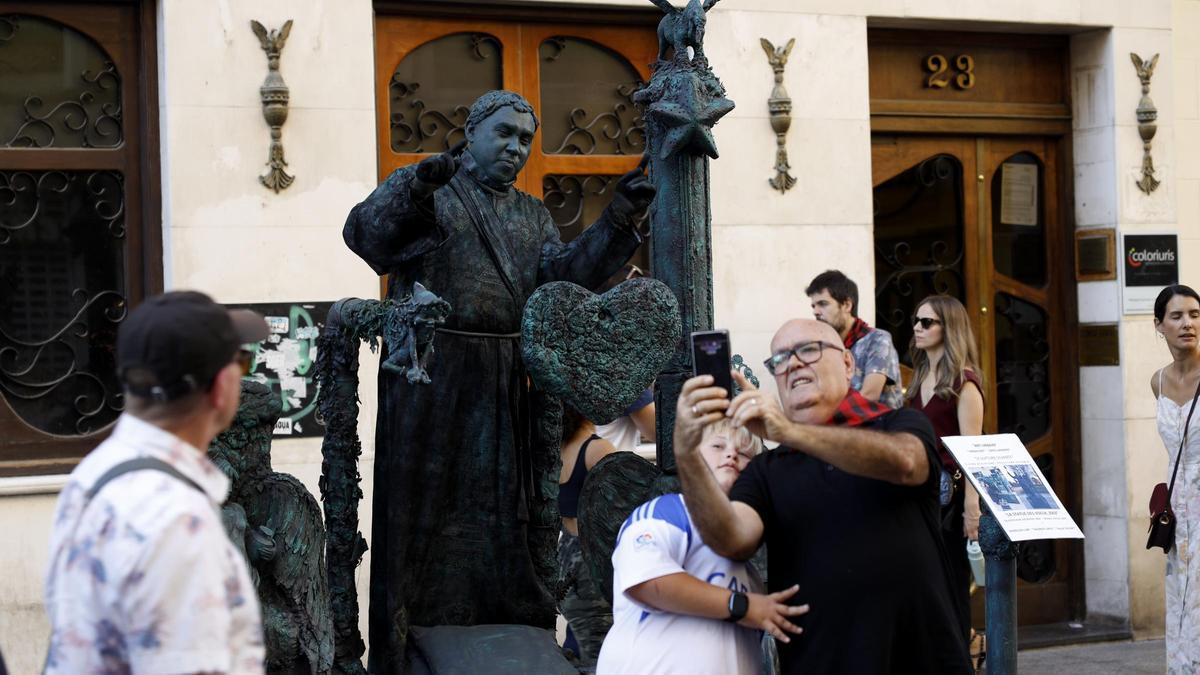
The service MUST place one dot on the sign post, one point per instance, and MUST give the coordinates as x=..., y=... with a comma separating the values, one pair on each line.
x=1018, y=506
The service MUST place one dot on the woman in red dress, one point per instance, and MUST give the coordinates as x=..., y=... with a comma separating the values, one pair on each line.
x=946, y=386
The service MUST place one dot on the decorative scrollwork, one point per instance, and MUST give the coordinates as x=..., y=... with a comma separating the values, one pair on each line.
x=8, y=27
x=93, y=120
x=620, y=131
x=434, y=118
x=36, y=370
x=426, y=130
x=556, y=43
x=60, y=233
x=570, y=198
x=1022, y=368
x=915, y=259
x=478, y=40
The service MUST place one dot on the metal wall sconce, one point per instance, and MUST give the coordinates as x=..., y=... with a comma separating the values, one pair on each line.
x=780, y=107
x=1146, y=116
x=274, y=104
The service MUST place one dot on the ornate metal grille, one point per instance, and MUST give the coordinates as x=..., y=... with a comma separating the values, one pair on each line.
x=1019, y=250
x=61, y=297
x=1022, y=368
x=575, y=201
x=463, y=66
x=60, y=88
x=587, y=100
x=918, y=243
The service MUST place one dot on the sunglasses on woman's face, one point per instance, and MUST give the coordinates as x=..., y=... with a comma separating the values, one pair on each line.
x=925, y=321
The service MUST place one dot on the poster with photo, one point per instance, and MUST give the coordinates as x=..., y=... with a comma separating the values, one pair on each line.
x=1013, y=487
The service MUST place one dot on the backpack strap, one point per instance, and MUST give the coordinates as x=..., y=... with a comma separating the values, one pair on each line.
x=139, y=464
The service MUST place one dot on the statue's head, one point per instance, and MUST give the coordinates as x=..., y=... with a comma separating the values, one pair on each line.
x=244, y=449
x=500, y=130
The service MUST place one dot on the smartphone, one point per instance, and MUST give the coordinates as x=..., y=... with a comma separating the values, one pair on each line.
x=711, y=356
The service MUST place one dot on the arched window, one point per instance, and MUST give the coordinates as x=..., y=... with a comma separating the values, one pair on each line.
x=72, y=239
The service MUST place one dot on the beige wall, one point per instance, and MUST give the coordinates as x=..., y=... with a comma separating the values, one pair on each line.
x=227, y=235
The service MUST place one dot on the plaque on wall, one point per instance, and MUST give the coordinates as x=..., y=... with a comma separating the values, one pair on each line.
x=286, y=361
x=1151, y=261
x=1095, y=254
x=1099, y=345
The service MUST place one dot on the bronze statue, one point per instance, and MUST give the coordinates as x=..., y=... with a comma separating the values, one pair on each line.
x=680, y=29
x=278, y=525
x=466, y=469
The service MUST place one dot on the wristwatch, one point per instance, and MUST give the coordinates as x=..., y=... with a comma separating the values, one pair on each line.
x=739, y=604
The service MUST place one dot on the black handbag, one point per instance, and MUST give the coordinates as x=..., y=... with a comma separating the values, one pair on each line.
x=1162, y=518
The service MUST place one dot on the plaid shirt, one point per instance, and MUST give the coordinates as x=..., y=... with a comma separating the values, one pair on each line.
x=144, y=579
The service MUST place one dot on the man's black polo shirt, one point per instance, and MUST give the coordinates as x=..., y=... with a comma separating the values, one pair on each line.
x=867, y=556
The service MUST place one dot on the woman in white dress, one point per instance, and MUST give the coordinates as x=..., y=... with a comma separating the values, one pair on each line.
x=1177, y=320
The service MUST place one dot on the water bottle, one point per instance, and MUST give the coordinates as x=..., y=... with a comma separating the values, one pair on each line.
x=975, y=557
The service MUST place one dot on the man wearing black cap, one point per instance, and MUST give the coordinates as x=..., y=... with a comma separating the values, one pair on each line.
x=142, y=577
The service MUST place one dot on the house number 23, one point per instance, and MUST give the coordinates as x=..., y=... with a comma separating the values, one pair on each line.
x=940, y=75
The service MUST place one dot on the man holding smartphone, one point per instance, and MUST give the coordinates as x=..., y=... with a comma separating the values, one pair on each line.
x=847, y=506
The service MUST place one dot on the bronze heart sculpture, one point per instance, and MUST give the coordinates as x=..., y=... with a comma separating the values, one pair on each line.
x=597, y=353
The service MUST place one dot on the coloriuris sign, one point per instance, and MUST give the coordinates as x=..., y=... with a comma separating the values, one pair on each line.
x=1151, y=262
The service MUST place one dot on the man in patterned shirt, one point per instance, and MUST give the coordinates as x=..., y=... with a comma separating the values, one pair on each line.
x=834, y=300
x=142, y=577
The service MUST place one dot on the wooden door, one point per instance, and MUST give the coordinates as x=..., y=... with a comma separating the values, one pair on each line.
x=943, y=225
x=578, y=77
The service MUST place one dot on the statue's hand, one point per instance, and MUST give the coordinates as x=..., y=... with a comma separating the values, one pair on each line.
x=436, y=171
x=260, y=544
x=634, y=192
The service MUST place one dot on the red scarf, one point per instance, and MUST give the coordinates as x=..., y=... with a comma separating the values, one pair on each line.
x=858, y=330
x=856, y=409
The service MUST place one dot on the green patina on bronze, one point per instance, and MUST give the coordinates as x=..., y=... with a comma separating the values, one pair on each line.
x=406, y=329
x=683, y=101
x=277, y=524
x=598, y=353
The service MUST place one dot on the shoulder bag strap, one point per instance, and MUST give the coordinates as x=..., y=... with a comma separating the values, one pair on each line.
x=1182, y=442
x=139, y=464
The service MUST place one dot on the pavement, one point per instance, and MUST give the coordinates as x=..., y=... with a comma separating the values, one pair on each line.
x=1124, y=657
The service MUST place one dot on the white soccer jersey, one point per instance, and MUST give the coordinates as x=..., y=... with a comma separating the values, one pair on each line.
x=658, y=539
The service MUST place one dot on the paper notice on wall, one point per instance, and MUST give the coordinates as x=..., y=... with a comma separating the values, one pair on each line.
x=1018, y=194
x=1013, y=487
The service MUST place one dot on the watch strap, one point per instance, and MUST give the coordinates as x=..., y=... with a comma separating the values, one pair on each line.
x=739, y=604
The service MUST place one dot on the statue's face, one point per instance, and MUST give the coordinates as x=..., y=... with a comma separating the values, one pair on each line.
x=500, y=143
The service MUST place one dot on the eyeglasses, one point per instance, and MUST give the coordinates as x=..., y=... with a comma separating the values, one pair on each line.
x=926, y=322
x=245, y=361
x=808, y=353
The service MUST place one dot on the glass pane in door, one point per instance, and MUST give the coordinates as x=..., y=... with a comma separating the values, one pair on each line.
x=432, y=90
x=62, y=297
x=918, y=242
x=1022, y=368
x=576, y=201
x=1018, y=219
x=587, y=100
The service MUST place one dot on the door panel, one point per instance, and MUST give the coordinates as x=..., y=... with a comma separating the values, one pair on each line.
x=980, y=218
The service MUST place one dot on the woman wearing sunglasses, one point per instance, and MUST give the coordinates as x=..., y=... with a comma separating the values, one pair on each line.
x=946, y=387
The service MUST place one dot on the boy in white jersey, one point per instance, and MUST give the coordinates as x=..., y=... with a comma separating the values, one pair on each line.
x=678, y=607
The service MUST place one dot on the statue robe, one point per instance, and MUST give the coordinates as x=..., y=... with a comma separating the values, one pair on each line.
x=464, y=516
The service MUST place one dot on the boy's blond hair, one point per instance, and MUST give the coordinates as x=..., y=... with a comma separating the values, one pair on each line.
x=741, y=436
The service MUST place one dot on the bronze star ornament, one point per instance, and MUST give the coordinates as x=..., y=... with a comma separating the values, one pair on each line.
x=689, y=124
